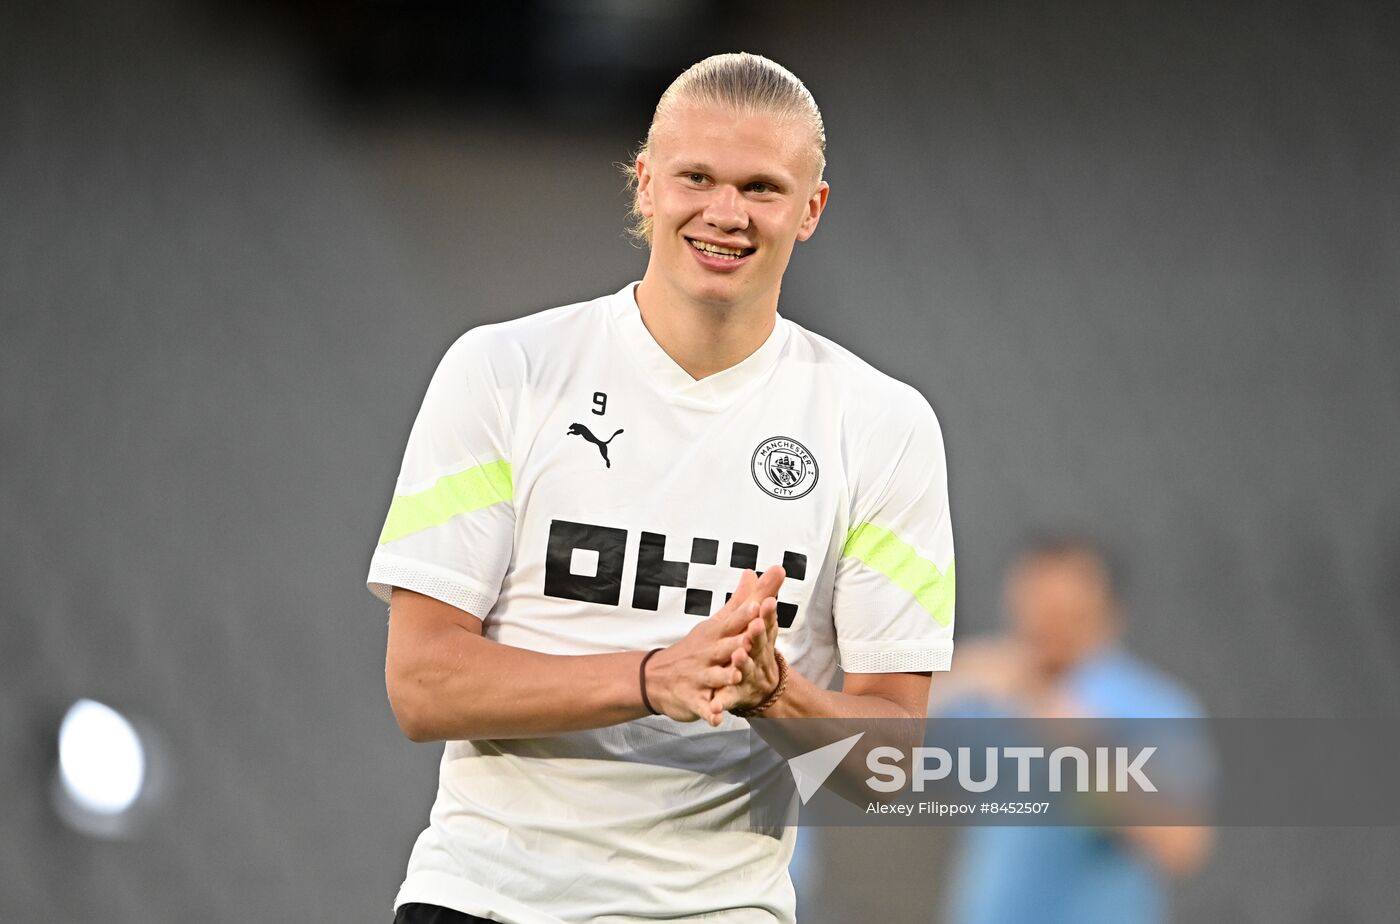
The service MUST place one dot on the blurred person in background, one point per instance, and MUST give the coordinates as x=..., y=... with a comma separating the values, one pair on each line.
x=581, y=488
x=1061, y=656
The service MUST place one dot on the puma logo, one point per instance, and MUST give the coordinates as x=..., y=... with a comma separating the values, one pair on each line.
x=579, y=429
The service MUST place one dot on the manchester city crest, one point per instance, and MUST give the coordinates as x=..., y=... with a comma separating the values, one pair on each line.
x=784, y=468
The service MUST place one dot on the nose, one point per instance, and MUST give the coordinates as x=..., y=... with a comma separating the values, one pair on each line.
x=725, y=210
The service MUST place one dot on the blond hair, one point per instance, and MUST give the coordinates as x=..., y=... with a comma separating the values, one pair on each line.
x=745, y=82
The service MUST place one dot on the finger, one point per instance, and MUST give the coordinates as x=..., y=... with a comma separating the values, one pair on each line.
x=766, y=590
x=756, y=639
x=704, y=708
x=748, y=669
x=736, y=613
x=769, y=582
x=744, y=590
x=762, y=651
x=724, y=700
x=757, y=635
x=720, y=676
x=770, y=619
x=735, y=628
x=757, y=588
x=752, y=587
x=711, y=710
x=753, y=639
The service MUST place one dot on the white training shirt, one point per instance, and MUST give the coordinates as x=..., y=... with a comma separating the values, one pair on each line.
x=569, y=483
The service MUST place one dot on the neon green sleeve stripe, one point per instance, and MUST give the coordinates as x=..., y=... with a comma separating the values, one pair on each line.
x=463, y=492
x=896, y=559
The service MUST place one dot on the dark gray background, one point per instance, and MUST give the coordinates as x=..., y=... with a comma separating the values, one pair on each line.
x=1142, y=258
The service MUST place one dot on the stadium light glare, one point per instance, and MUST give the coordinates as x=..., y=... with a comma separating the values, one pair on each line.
x=101, y=759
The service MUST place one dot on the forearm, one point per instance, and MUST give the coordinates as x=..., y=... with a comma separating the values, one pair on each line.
x=888, y=710
x=447, y=681
x=805, y=700
x=465, y=686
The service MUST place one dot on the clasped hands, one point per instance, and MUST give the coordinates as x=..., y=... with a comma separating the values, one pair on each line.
x=725, y=662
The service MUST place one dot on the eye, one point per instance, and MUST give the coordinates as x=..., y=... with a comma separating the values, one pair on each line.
x=696, y=178
x=761, y=187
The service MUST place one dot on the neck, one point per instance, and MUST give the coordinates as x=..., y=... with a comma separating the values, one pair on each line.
x=704, y=338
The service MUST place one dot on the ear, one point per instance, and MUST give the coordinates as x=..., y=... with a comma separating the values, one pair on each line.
x=644, y=202
x=815, y=205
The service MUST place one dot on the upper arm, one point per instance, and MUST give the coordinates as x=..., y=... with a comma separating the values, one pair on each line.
x=421, y=643
x=416, y=619
x=909, y=691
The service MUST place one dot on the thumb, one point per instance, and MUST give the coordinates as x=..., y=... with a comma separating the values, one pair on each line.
x=734, y=615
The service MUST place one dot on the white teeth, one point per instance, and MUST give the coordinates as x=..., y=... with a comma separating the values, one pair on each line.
x=716, y=250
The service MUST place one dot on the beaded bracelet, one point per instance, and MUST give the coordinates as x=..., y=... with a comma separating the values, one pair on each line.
x=759, y=708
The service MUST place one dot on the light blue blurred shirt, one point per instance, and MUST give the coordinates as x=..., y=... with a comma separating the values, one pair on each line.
x=1048, y=875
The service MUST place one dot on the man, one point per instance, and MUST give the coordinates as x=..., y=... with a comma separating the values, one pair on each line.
x=1061, y=658
x=581, y=491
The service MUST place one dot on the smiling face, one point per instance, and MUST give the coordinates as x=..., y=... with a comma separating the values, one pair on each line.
x=728, y=195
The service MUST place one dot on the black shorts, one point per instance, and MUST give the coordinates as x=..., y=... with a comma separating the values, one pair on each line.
x=417, y=913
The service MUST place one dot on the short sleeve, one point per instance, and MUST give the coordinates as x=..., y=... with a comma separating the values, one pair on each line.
x=451, y=524
x=895, y=582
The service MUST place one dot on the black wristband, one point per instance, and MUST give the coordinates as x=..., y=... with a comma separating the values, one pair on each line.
x=642, y=680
